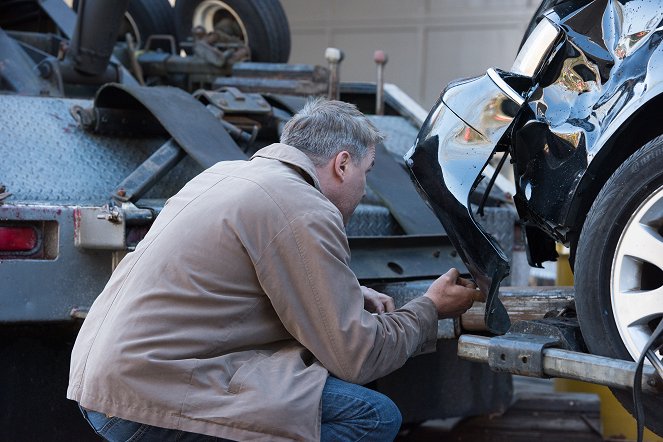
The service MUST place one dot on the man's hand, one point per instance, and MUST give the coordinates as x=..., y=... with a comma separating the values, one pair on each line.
x=453, y=295
x=376, y=302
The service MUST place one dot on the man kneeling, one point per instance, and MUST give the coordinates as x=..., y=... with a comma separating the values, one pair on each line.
x=238, y=317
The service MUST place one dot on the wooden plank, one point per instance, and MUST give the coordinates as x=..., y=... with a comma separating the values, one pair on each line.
x=522, y=303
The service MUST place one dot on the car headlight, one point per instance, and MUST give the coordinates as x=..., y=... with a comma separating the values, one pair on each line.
x=536, y=48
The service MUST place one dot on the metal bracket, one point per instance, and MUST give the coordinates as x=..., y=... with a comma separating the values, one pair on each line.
x=519, y=353
x=149, y=172
x=4, y=194
x=232, y=101
x=566, y=331
x=99, y=228
x=79, y=312
x=398, y=258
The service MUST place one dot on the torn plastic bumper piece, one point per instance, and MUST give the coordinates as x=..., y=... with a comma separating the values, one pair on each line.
x=446, y=162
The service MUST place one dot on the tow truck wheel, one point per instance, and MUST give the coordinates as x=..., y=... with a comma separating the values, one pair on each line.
x=149, y=17
x=260, y=24
x=144, y=18
x=619, y=267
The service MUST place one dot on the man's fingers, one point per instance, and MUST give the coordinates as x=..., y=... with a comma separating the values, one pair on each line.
x=479, y=296
x=377, y=302
x=453, y=274
x=452, y=294
x=466, y=283
x=373, y=305
x=389, y=304
x=474, y=294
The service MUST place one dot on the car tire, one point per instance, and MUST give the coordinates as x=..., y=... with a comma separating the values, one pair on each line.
x=619, y=265
x=261, y=24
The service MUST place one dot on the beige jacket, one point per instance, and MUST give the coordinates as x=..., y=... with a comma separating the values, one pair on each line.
x=228, y=316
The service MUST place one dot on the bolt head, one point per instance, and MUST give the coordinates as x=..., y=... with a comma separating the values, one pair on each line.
x=45, y=70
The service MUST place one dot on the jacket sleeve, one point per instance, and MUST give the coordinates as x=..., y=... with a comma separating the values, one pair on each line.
x=305, y=273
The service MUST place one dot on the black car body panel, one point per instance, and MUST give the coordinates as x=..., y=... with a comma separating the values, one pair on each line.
x=600, y=75
x=575, y=126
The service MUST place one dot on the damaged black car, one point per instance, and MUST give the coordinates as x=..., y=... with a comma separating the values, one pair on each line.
x=579, y=116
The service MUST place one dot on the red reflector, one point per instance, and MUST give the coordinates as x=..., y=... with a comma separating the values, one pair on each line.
x=17, y=239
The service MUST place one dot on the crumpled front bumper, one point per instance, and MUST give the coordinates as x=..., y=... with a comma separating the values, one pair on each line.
x=455, y=143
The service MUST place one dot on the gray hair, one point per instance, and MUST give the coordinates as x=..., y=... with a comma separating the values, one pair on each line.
x=324, y=128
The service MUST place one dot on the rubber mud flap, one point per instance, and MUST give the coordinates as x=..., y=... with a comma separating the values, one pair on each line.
x=187, y=120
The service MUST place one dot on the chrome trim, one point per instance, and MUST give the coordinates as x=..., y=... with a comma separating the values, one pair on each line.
x=536, y=48
x=504, y=87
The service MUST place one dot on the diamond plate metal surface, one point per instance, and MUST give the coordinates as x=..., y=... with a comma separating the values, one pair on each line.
x=372, y=220
x=46, y=157
x=400, y=133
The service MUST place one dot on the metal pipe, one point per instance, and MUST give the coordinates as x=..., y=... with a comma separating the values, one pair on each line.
x=97, y=27
x=380, y=59
x=334, y=57
x=163, y=64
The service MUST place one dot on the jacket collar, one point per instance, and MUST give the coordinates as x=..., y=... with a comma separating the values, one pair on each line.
x=293, y=156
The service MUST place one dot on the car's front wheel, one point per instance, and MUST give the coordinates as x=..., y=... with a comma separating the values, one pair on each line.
x=619, y=266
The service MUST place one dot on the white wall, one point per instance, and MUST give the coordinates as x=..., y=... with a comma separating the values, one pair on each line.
x=429, y=42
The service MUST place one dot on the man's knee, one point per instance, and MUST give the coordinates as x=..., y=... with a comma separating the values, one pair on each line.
x=389, y=415
x=353, y=412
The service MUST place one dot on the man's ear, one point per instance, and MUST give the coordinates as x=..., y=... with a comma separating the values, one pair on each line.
x=341, y=163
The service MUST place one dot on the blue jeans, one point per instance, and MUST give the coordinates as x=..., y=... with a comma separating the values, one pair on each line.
x=114, y=429
x=350, y=412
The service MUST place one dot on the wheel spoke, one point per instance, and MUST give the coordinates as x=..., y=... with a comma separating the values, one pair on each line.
x=636, y=307
x=643, y=243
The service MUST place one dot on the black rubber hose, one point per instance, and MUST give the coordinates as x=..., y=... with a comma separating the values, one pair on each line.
x=638, y=407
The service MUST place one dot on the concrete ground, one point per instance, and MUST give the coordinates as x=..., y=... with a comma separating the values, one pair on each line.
x=538, y=413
